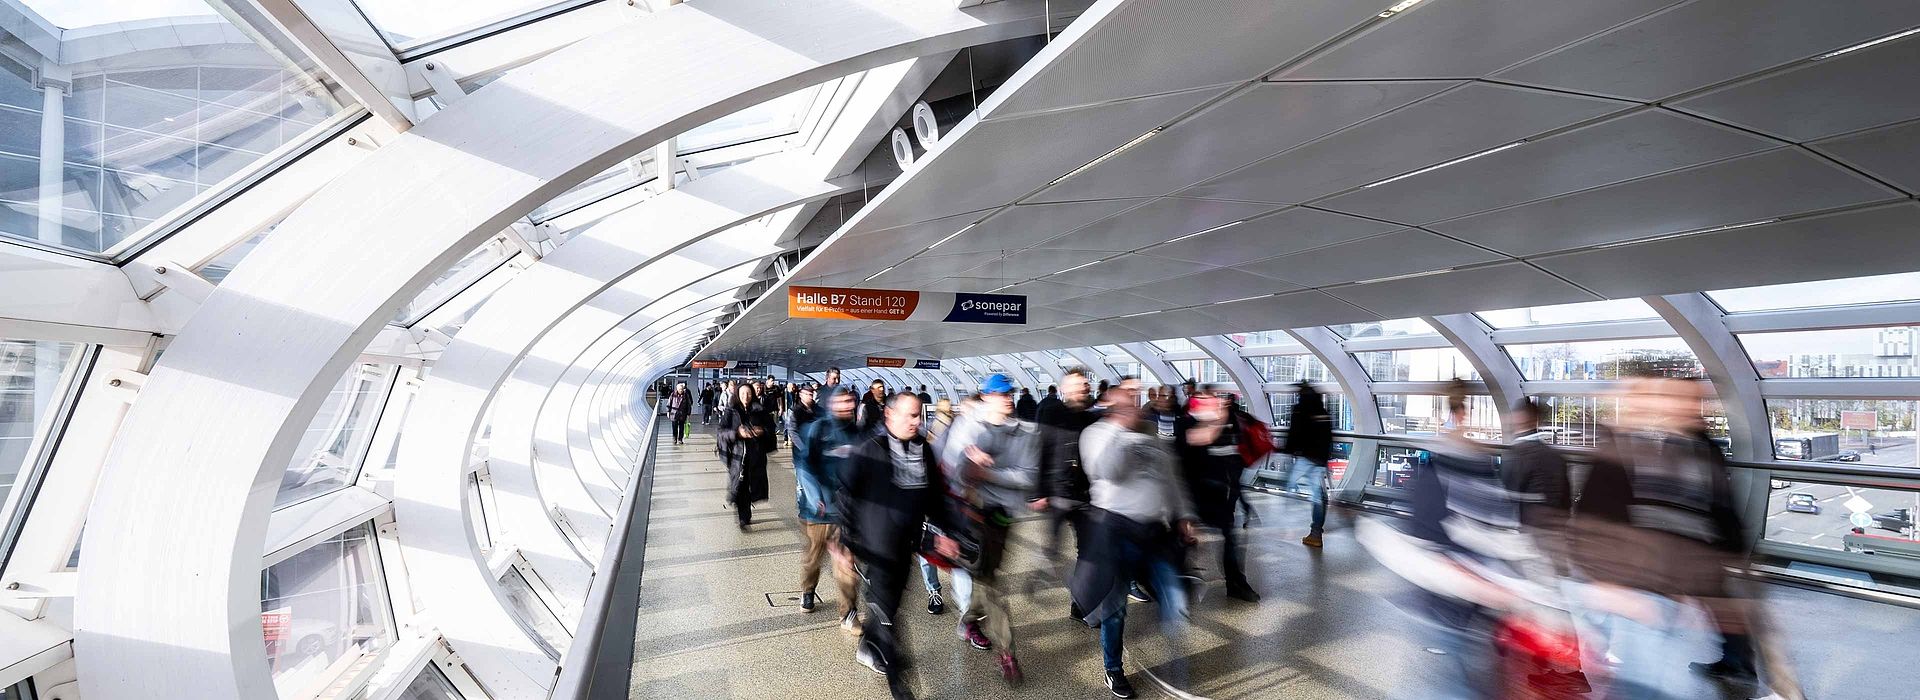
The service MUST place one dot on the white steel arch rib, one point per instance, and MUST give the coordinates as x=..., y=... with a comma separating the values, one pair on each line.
x=167, y=605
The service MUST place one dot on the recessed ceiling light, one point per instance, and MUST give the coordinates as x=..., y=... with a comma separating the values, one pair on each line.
x=1076, y=267
x=953, y=235
x=1251, y=298
x=1211, y=230
x=1684, y=234
x=1398, y=8
x=1110, y=154
x=1857, y=47
x=1455, y=161
x=1405, y=276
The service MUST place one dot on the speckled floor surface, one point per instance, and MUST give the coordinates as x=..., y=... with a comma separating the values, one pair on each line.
x=716, y=620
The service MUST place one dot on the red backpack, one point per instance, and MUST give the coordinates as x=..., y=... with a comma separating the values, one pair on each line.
x=1256, y=442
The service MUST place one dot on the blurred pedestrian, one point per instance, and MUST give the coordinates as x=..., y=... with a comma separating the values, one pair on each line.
x=744, y=431
x=1206, y=440
x=872, y=406
x=890, y=488
x=995, y=457
x=824, y=444
x=1139, y=523
x=1310, y=442
x=1026, y=408
x=1062, y=493
x=679, y=406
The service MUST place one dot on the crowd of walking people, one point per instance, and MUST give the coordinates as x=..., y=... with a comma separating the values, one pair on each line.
x=1530, y=591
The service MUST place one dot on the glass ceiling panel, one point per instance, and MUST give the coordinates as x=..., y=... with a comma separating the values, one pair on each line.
x=1878, y=289
x=1564, y=314
x=1378, y=329
x=407, y=23
x=105, y=149
x=1174, y=345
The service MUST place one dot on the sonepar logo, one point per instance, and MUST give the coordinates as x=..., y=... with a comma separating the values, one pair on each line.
x=1006, y=306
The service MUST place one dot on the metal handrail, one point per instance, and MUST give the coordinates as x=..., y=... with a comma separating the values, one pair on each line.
x=575, y=678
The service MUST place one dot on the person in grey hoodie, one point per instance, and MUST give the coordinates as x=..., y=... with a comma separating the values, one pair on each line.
x=996, y=459
x=1142, y=519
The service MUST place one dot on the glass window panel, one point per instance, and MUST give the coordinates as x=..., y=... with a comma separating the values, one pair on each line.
x=1174, y=345
x=322, y=610
x=216, y=270
x=527, y=605
x=1815, y=514
x=1575, y=420
x=1868, y=431
x=1396, y=465
x=1337, y=407
x=1903, y=286
x=1205, y=372
x=1422, y=365
x=1291, y=368
x=335, y=443
x=20, y=132
x=408, y=22
x=1563, y=314
x=160, y=121
x=775, y=117
x=16, y=85
x=1378, y=329
x=1605, y=359
x=30, y=386
x=431, y=684
x=1850, y=353
x=1262, y=338
x=1423, y=414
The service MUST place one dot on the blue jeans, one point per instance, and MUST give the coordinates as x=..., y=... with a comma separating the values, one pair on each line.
x=962, y=583
x=1314, y=475
x=1168, y=590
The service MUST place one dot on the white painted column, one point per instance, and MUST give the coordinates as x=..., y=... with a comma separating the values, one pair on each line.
x=53, y=149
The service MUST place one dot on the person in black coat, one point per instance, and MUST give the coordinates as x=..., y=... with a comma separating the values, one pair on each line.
x=890, y=487
x=743, y=435
x=679, y=406
x=1206, y=440
x=1310, y=441
x=1063, y=491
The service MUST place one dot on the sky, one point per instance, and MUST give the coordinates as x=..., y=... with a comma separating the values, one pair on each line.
x=74, y=14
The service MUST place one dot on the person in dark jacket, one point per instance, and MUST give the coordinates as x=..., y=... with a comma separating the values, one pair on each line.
x=1310, y=441
x=872, y=406
x=679, y=406
x=1657, y=514
x=890, y=487
x=801, y=412
x=709, y=403
x=820, y=452
x=743, y=435
x=1051, y=402
x=1026, y=408
x=926, y=399
x=1206, y=438
x=1062, y=490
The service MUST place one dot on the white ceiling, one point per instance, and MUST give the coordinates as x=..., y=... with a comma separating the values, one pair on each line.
x=1622, y=121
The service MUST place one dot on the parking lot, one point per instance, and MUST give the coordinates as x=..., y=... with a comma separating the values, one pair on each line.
x=1827, y=527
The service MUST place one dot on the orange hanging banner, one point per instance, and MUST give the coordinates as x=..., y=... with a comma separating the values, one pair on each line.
x=886, y=361
x=849, y=303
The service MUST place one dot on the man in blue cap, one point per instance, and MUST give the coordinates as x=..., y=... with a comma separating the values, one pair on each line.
x=994, y=458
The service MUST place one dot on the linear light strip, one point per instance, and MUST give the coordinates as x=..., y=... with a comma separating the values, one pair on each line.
x=877, y=274
x=1398, y=8
x=1110, y=154
x=1197, y=233
x=1684, y=234
x=1405, y=276
x=1875, y=42
x=951, y=236
x=1453, y=162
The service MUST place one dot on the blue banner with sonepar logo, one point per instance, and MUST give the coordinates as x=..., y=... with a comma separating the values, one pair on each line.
x=988, y=308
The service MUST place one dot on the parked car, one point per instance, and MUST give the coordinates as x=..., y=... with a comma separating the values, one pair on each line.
x=1777, y=484
x=1802, y=503
x=1847, y=456
x=1897, y=520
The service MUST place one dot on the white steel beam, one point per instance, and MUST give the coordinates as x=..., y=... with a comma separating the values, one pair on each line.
x=1223, y=351
x=1498, y=374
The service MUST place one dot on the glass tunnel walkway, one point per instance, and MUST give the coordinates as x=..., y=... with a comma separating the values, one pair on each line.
x=718, y=615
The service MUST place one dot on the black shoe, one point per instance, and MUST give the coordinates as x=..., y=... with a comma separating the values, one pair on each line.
x=1117, y=682
x=935, y=605
x=1137, y=594
x=897, y=685
x=806, y=601
x=1726, y=673
x=1243, y=592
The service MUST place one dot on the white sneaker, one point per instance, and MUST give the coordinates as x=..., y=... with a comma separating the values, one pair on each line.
x=867, y=658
